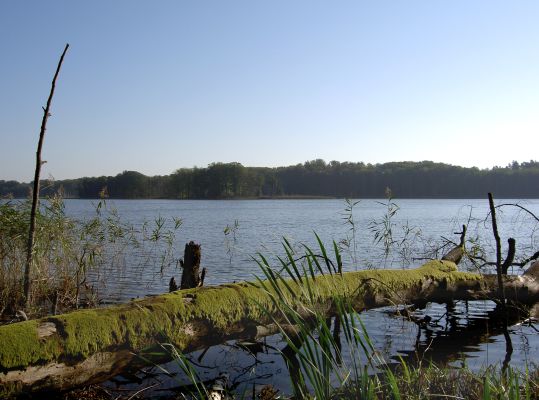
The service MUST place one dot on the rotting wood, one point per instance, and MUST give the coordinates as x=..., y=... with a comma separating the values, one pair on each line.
x=457, y=252
x=191, y=275
x=88, y=346
x=510, y=255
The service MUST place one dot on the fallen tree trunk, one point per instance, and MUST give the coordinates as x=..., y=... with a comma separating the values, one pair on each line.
x=88, y=346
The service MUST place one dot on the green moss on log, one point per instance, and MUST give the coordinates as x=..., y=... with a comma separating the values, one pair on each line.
x=21, y=346
x=144, y=322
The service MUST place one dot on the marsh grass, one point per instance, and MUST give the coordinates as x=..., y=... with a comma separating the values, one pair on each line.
x=72, y=257
x=317, y=359
x=349, y=243
x=323, y=371
x=432, y=382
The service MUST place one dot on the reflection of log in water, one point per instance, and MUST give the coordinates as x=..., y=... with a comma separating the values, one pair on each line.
x=443, y=341
x=440, y=338
x=292, y=363
x=444, y=344
x=337, y=339
x=248, y=366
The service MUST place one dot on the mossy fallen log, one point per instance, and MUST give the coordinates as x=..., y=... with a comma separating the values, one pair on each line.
x=88, y=346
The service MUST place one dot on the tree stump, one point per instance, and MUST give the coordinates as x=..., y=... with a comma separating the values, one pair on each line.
x=191, y=275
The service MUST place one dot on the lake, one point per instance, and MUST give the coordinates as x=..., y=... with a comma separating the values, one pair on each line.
x=232, y=232
x=259, y=226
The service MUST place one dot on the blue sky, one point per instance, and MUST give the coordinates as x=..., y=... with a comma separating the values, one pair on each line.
x=154, y=86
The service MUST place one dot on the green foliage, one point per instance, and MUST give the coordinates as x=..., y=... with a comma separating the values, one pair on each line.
x=424, y=179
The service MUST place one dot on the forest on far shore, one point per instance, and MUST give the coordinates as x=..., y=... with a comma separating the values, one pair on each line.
x=315, y=178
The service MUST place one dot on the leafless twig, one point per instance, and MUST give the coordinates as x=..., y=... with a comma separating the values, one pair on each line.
x=521, y=207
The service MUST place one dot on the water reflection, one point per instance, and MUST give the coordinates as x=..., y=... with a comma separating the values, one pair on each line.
x=461, y=329
x=447, y=334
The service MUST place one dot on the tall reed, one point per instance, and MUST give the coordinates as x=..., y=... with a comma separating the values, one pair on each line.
x=71, y=256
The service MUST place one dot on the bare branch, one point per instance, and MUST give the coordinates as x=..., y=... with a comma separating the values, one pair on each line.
x=35, y=193
x=521, y=207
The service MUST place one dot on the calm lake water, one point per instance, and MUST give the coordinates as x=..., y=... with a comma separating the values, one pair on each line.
x=259, y=226
x=232, y=232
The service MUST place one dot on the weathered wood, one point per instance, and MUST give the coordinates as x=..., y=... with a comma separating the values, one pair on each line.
x=457, y=252
x=510, y=255
x=172, y=286
x=88, y=346
x=191, y=277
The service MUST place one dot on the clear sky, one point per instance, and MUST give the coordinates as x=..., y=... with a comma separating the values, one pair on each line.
x=154, y=86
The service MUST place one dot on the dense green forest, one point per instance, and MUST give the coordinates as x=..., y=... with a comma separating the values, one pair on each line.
x=424, y=179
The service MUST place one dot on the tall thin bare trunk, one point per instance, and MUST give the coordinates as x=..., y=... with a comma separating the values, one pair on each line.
x=35, y=193
x=499, y=275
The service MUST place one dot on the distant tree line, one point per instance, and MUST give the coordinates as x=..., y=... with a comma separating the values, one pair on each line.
x=424, y=179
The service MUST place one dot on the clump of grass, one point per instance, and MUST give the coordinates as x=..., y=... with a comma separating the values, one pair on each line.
x=54, y=245
x=316, y=359
x=315, y=352
x=70, y=256
x=432, y=382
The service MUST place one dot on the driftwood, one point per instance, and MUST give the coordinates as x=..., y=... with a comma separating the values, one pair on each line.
x=89, y=346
